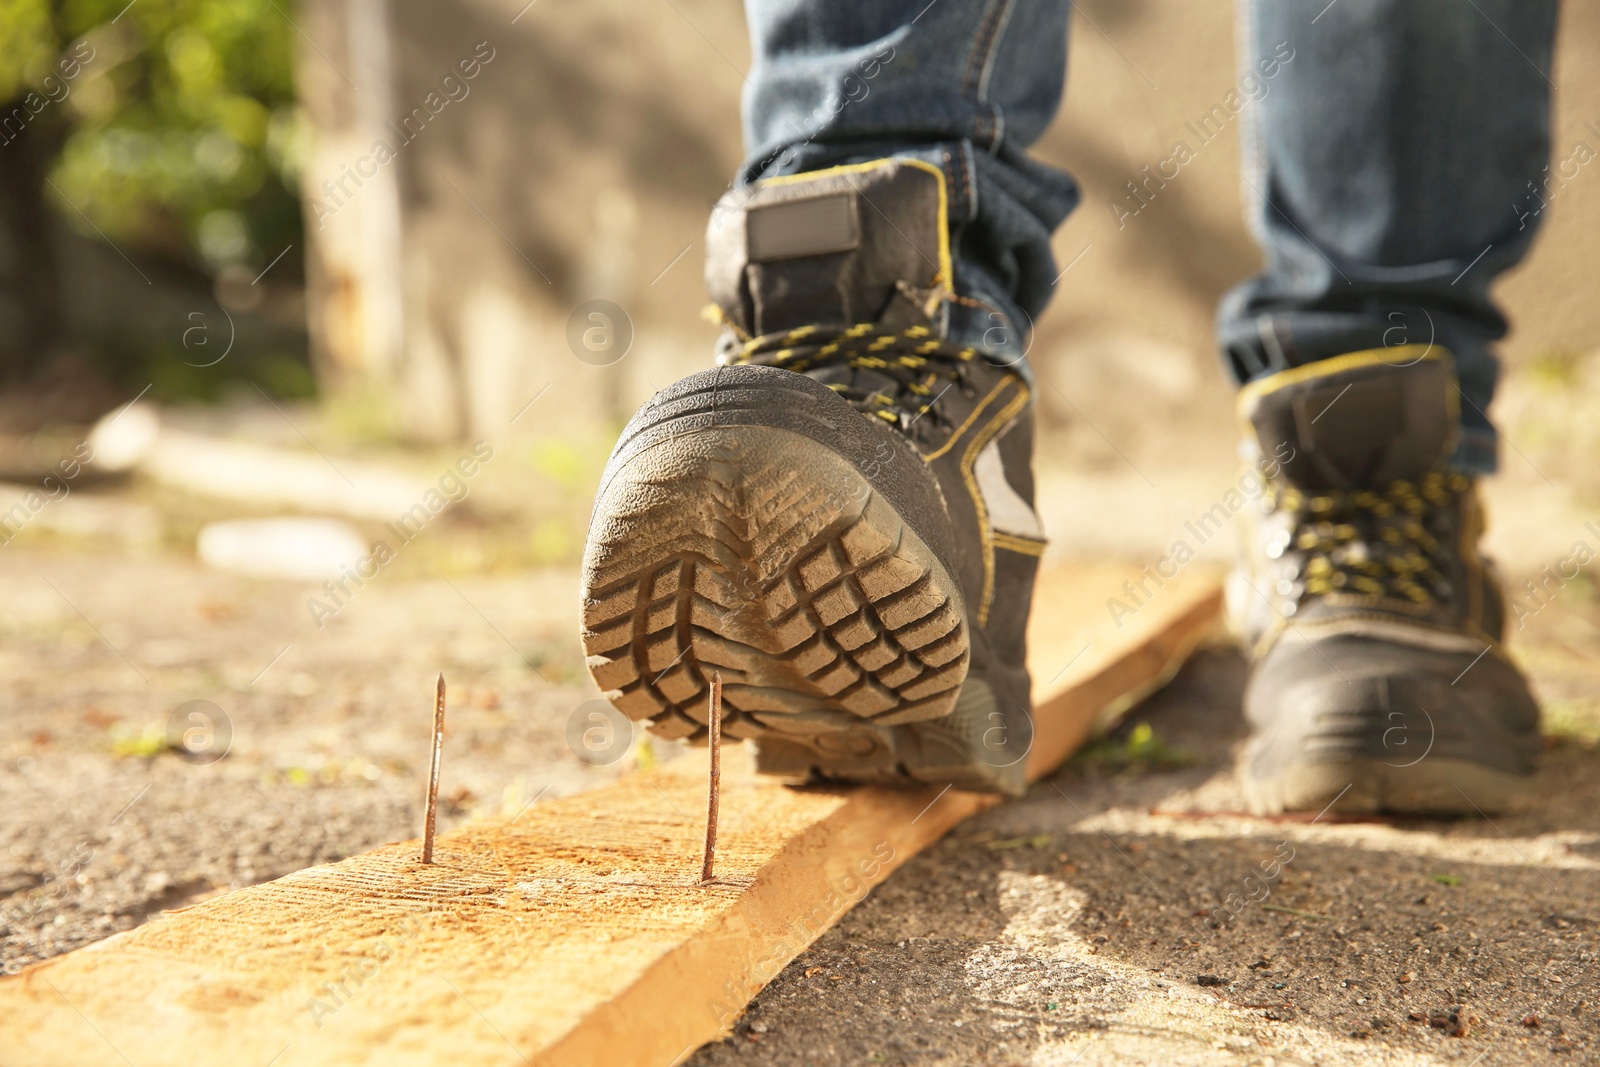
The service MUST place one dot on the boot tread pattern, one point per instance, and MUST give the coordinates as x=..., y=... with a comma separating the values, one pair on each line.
x=728, y=562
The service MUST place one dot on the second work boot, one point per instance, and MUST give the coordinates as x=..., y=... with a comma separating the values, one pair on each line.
x=1379, y=680
x=839, y=518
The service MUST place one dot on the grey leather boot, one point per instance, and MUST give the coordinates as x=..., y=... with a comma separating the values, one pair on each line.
x=839, y=517
x=1375, y=624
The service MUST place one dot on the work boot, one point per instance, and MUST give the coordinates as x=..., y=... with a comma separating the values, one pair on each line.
x=1379, y=681
x=839, y=517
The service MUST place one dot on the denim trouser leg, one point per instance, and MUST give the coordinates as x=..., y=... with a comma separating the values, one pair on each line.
x=1391, y=172
x=1389, y=165
x=965, y=84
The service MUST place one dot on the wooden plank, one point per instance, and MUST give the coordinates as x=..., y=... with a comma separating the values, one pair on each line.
x=575, y=934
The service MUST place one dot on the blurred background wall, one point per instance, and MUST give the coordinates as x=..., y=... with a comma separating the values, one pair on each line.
x=583, y=157
x=213, y=174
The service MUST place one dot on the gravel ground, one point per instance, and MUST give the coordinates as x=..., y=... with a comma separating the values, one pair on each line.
x=1088, y=923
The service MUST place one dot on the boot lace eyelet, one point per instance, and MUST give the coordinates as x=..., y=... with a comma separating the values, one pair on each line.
x=898, y=374
x=1390, y=544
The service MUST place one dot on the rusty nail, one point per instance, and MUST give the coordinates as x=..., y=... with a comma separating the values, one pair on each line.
x=433, y=772
x=716, y=776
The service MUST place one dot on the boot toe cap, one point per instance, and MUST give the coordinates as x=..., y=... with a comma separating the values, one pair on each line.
x=1349, y=705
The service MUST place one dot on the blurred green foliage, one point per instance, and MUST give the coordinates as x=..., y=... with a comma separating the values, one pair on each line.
x=181, y=135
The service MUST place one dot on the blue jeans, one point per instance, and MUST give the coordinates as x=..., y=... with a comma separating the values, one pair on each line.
x=1392, y=152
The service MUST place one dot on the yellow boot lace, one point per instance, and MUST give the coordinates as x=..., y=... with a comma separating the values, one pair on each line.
x=913, y=358
x=1375, y=543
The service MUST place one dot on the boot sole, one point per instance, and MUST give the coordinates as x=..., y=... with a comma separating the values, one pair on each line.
x=756, y=552
x=968, y=749
x=1431, y=787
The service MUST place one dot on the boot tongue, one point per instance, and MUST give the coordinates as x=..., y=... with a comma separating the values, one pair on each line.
x=829, y=247
x=1355, y=422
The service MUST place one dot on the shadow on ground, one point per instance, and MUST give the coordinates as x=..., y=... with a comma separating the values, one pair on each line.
x=1127, y=911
